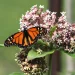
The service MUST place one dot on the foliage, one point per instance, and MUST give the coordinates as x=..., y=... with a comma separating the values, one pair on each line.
x=17, y=73
x=70, y=54
x=33, y=54
x=1, y=45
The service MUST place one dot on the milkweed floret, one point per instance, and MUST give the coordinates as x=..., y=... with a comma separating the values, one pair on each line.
x=41, y=6
x=37, y=17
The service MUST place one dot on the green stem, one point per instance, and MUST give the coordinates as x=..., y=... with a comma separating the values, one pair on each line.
x=50, y=64
x=41, y=73
x=1, y=45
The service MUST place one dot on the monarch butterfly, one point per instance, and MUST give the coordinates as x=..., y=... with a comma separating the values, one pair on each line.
x=25, y=38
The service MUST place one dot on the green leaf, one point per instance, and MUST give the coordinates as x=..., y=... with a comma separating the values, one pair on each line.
x=1, y=45
x=17, y=73
x=52, y=30
x=42, y=45
x=39, y=43
x=33, y=54
x=70, y=54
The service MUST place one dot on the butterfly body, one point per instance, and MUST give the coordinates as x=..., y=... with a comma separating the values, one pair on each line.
x=25, y=38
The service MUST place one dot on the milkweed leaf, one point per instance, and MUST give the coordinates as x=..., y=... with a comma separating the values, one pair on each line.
x=33, y=54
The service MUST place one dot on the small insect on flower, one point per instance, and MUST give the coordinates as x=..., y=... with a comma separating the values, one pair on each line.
x=25, y=38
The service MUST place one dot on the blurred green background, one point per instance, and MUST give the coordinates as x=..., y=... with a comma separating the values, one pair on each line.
x=10, y=13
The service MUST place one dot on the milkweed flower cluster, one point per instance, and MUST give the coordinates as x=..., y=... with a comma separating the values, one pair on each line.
x=33, y=67
x=37, y=17
x=64, y=35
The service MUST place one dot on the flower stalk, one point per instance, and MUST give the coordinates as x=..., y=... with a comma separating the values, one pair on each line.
x=50, y=64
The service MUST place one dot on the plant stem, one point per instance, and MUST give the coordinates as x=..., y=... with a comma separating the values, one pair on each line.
x=50, y=64
x=41, y=73
x=1, y=44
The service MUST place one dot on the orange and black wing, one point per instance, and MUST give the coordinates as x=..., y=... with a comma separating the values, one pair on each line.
x=23, y=39
x=32, y=35
x=15, y=39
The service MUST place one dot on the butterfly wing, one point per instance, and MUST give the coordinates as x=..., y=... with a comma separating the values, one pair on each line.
x=31, y=36
x=14, y=39
x=24, y=38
